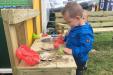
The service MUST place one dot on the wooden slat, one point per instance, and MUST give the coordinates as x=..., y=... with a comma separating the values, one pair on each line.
x=97, y=27
x=99, y=13
x=100, y=19
x=47, y=71
x=20, y=30
x=12, y=43
x=98, y=30
x=90, y=19
x=94, y=25
x=107, y=29
x=104, y=24
x=40, y=72
x=63, y=25
x=60, y=20
x=18, y=15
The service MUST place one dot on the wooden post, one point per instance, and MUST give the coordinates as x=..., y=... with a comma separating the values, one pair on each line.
x=11, y=37
x=29, y=31
x=37, y=5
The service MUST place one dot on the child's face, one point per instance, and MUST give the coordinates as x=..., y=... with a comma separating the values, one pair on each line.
x=71, y=21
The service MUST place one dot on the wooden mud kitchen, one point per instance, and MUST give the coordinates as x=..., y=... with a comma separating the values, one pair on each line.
x=19, y=25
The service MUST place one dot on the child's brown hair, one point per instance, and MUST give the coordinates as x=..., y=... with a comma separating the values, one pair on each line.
x=74, y=9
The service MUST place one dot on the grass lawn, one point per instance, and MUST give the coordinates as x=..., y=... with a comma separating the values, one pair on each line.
x=101, y=63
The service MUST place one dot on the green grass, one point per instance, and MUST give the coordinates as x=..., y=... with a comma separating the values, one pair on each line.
x=101, y=63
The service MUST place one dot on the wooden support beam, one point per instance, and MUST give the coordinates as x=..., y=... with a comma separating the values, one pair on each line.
x=14, y=16
x=92, y=14
x=29, y=31
x=38, y=22
x=12, y=43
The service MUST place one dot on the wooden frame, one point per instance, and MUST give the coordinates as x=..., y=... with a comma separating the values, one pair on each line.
x=11, y=18
x=17, y=18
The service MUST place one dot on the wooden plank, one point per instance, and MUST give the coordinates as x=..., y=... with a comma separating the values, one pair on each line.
x=90, y=19
x=39, y=72
x=58, y=15
x=38, y=22
x=60, y=25
x=18, y=15
x=29, y=31
x=60, y=20
x=97, y=27
x=107, y=29
x=94, y=25
x=20, y=30
x=54, y=71
x=24, y=32
x=99, y=14
x=98, y=30
x=100, y=19
x=103, y=24
x=12, y=43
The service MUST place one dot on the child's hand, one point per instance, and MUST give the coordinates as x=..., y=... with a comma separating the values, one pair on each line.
x=68, y=51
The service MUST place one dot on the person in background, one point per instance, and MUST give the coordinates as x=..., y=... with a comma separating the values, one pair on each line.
x=79, y=40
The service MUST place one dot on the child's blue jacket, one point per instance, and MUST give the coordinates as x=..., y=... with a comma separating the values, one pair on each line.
x=80, y=39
